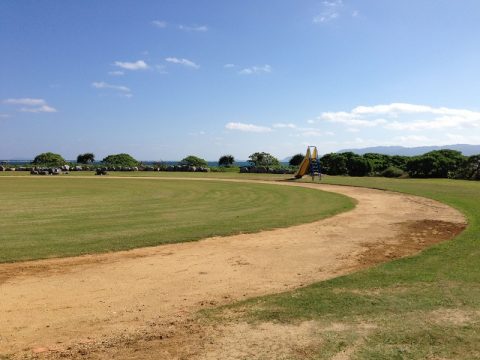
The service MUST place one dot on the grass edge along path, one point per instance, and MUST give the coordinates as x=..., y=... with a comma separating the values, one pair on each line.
x=68, y=216
x=425, y=306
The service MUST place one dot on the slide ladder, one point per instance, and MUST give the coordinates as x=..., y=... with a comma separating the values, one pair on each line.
x=310, y=164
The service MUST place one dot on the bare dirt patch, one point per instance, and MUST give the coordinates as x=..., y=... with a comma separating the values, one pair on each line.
x=123, y=303
x=416, y=235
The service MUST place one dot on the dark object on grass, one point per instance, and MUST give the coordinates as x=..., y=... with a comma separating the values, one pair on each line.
x=101, y=171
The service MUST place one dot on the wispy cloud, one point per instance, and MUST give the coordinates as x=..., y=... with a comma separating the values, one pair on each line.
x=256, y=70
x=238, y=126
x=159, y=24
x=137, y=65
x=104, y=85
x=4, y=116
x=121, y=90
x=229, y=66
x=332, y=10
x=116, y=73
x=411, y=139
x=184, y=62
x=39, y=109
x=161, y=69
x=198, y=28
x=282, y=126
x=404, y=116
x=25, y=101
x=31, y=105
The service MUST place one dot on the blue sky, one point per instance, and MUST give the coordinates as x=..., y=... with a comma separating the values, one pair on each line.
x=165, y=79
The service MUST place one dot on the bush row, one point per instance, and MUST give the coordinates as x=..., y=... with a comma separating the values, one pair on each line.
x=434, y=164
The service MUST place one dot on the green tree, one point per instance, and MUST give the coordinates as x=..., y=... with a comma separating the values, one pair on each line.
x=296, y=159
x=49, y=159
x=263, y=159
x=436, y=164
x=226, y=160
x=470, y=169
x=399, y=161
x=86, y=158
x=473, y=164
x=192, y=160
x=359, y=166
x=334, y=164
x=124, y=160
x=379, y=161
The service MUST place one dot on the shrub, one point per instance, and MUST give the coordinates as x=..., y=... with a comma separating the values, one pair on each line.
x=436, y=164
x=359, y=166
x=123, y=160
x=49, y=159
x=193, y=161
x=392, y=172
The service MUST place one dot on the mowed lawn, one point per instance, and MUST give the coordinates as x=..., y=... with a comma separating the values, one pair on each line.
x=422, y=307
x=65, y=216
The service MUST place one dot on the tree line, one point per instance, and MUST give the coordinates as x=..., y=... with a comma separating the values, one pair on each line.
x=445, y=163
x=434, y=164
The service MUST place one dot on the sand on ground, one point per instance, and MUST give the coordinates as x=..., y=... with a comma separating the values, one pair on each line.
x=52, y=306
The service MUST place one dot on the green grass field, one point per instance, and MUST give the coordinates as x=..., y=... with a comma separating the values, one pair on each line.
x=423, y=307
x=64, y=216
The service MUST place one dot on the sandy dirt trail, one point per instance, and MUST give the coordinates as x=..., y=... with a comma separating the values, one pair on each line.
x=55, y=304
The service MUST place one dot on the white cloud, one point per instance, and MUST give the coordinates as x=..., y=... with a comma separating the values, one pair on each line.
x=256, y=70
x=39, y=109
x=330, y=11
x=199, y=28
x=463, y=139
x=31, y=105
x=412, y=138
x=104, y=85
x=247, y=127
x=312, y=133
x=184, y=62
x=404, y=116
x=228, y=66
x=282, y=125
x=137, y=65
x=25, y=101
x=116, y=73
x=4, y=116
x=159, y=23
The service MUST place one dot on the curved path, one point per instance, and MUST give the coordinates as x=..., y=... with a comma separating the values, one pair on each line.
x=54, y=304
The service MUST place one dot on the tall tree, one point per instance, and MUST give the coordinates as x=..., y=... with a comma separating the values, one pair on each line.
x=263, y=159
x=86, y=158
x=226, y=160
x=296, y=159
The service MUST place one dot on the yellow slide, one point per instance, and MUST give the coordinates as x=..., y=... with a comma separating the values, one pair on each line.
x=306, y=164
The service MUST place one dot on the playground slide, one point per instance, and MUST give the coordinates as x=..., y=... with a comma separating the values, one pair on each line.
x=304, y=167
x=309, y=163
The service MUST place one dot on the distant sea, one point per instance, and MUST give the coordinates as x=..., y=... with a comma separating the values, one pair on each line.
x=148, y=162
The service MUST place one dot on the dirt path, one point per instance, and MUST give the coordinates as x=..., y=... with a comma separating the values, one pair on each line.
x=55, y=304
